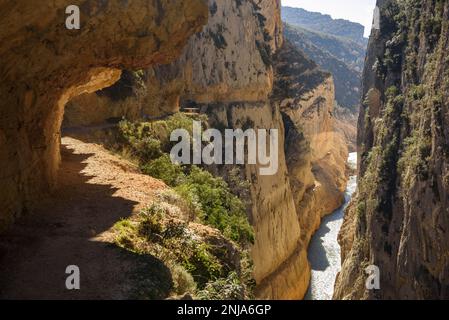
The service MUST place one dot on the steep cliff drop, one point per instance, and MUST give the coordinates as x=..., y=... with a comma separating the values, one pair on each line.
x=316, y=153
x=43, y=65
x=228, y=74
x=399, y=218
x=227, y=71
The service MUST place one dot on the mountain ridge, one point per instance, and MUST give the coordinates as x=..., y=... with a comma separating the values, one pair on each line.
x=347, y=79
x=317, y=21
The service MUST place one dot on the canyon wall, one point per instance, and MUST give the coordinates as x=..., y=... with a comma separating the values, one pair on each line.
x=341, y=54
x=43, y=65
x=228, y=71
x=306, y=96
x=399, y=218
x=316, y=153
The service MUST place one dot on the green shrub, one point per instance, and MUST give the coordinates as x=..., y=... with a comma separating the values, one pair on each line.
x=183, y=281
x=164, y=169
x=144, y=147
x=124, y=234
x=194, y=262
x=208, y=198
x=175, y=229
x=238, y=185
x=413, y=162
x=203, y=265
x=191, y=201
x=361, y=209
x=391, y=92
x=150, y=139
x=151, y=225
x=220, y=208
x=417, y=92
x=229, y=288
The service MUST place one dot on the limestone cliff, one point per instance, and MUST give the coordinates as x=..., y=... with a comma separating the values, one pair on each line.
x=226, y=71
x=316, y=153
x=346, y=125
x=307, y=96
x=343, y=56
x=43, y=65
x=399, y=218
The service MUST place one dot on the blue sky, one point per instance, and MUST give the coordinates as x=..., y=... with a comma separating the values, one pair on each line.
x=360, y=11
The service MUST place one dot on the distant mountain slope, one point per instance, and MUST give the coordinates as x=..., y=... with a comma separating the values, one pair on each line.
x=324, y=23
x=337, y=46
x=341, y=57
x=296, y=74
x=350, y=52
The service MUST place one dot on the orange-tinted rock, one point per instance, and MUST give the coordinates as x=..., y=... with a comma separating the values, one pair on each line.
x=43, y=65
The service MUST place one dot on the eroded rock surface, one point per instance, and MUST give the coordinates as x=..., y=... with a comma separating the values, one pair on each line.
x=399, y=218
x=226, y=71
x=316, y=153
x=43, y=65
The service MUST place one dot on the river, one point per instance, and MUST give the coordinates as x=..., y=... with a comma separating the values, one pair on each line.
x=324, y=250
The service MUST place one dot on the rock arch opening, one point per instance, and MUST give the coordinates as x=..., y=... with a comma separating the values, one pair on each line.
x=43, y=65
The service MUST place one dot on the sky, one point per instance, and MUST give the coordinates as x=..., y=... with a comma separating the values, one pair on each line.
x=360, y=11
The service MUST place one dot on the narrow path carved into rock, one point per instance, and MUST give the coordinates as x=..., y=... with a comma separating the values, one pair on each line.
x=96, y=189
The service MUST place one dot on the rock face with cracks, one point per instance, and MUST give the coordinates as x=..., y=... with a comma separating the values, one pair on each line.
x=229, y=71
x=398, y=220
x=315, y=153
x=43, y=65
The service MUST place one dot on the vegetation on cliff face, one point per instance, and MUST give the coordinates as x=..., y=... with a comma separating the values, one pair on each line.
x=403, y=195
x=209, y=198
x=37, y=83
x=209, y=265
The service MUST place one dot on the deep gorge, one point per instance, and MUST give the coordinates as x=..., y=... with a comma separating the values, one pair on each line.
x=324, y=250
x=229, y=82
x=84, y=135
